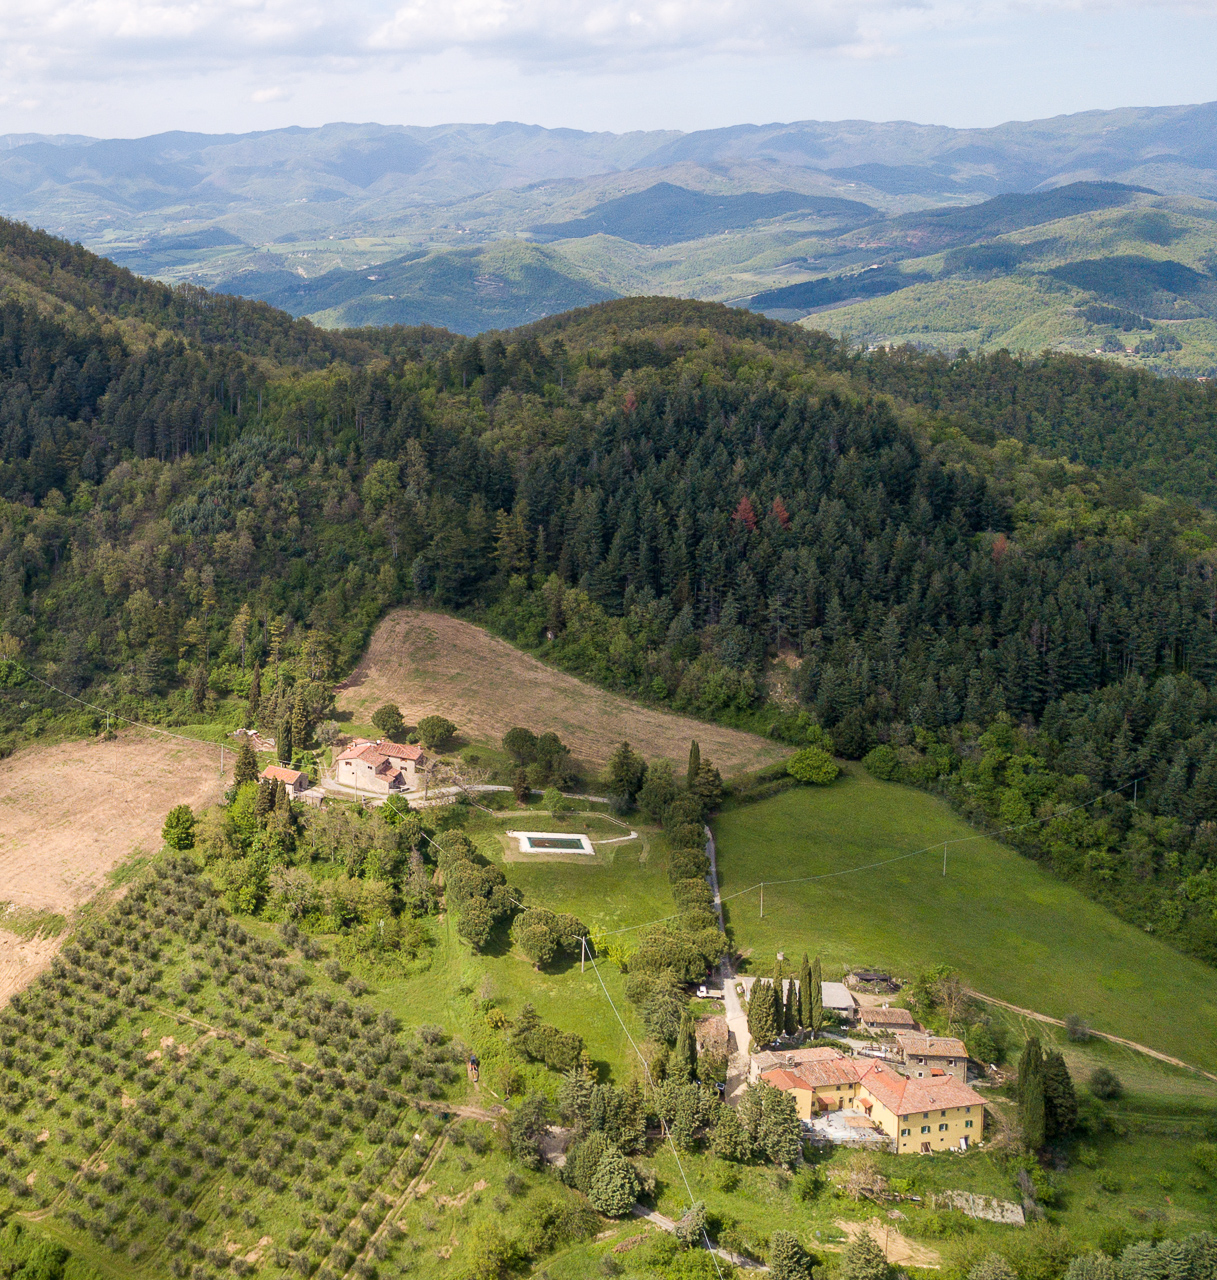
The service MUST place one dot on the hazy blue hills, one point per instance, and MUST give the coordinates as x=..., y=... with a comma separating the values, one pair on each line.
x=362, y=220
x=668, y=214
x=498, y=286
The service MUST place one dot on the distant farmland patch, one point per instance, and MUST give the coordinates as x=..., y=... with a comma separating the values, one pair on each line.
x=428, y=664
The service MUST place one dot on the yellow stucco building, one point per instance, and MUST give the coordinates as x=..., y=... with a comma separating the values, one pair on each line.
x=919, y=1116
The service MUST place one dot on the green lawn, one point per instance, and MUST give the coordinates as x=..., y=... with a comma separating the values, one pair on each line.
x=624, y=884
x=1013, y=930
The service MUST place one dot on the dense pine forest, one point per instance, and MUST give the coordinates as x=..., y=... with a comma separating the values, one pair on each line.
x=987, y=576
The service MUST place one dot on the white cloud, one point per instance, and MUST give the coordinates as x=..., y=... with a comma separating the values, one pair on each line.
x=101, y=37
x=275, y=94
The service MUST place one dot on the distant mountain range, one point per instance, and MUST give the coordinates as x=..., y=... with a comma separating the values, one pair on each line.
x=477, y=226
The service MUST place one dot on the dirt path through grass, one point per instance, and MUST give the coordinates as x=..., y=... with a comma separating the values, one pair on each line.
x=430, y=664
x=1098, y=1035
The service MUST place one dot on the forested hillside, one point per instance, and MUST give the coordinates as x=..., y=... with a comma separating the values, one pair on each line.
x=681, y=495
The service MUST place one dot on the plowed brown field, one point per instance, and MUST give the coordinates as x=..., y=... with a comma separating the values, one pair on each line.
x=70, y=812
x=428, y=664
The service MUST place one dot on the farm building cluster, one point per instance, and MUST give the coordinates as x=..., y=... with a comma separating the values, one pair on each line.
x=902, y=1088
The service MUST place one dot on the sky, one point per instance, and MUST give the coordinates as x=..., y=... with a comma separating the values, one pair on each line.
x=124, y=68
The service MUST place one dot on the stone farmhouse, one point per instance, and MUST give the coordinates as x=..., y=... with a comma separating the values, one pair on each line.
x=295, y=781
x=925, y=1056
x=381, y=767
x=918, y=1115
x=886, y=1020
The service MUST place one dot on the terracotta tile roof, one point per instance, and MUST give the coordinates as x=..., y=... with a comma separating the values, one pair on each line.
x=816, y=1075
x=815, y=1053
x=381, y=752
x=782, y=1079
x=925, y=1046
x=834, y=1071
x=887, y=1017
x=277, y=773
x=905, y=1097
x=769, y=1059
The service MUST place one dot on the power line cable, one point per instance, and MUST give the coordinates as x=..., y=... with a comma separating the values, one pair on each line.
x=663, y=1123
x=885, y=862
x=139, y=724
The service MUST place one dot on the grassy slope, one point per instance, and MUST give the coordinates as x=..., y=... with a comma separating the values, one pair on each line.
x=1012, y=930
x=1025, y=310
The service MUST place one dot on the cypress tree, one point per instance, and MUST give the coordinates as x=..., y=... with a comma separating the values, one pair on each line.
x=299, y=723
x=265, y=802
x=682, y=1065
x=1031, y=1105
x=283, y=741
x=792, y=1006
x=763, y=1013
x=816, y=998
x=694, y=764
x=805, y=992
x=1060, y=1100
x=246, y=769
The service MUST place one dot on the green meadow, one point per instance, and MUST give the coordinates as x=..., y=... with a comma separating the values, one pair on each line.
x=1012, y=930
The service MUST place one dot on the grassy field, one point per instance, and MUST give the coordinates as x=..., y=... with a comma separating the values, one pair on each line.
x=428, y=663
x=1012, y=930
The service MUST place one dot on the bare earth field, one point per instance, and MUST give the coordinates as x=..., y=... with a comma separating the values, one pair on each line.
x=428, y=663
x=70, y=812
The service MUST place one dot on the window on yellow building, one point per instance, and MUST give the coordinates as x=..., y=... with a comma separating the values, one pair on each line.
x=904, y=1133
x=941, y=1127
x=967, y=1124
x=925, y=1128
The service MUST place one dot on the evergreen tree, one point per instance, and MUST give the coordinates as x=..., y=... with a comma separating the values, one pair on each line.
x=246, y=768
x=614, y=1186
x=805, y=993
x=694, y=764
x=788, y=1260
x=1031, y=1105
x=682, y=1065
x=1060, y=1099
x=299, y=723
x=625, y=774
x=792, y=1007
x=816, y=998
x=762, y=1013
x=864, y=1260
x=264, y=803
x=708, y=785
x=283, y=741
x=255, y=692
x=730, y=1140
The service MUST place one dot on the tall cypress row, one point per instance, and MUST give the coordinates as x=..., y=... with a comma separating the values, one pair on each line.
x=816, y=999
x=805, y=993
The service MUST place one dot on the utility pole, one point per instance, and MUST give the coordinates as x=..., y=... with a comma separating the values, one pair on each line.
x=582, y=953
x=1134, y=791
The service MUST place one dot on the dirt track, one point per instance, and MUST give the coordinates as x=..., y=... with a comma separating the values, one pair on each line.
x=72, y=811
x=429, y=664
x=1099, y=1035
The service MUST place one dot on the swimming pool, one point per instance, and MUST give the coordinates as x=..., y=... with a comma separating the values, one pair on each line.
x=552, y=842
